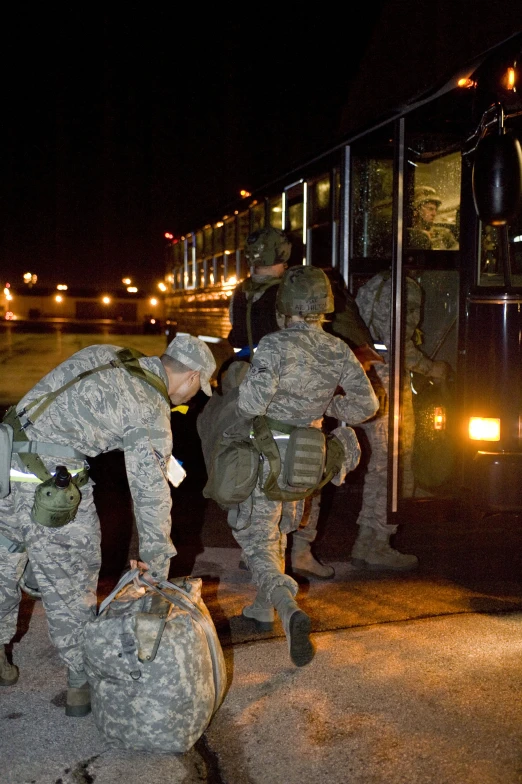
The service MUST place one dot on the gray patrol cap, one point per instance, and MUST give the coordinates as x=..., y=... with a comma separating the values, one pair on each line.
x=196, y=355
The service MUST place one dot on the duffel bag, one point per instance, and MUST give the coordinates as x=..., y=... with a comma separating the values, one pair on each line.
x=155, y=665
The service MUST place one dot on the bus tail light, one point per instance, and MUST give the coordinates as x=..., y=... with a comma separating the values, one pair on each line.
x=439, y=418
x=484, y=429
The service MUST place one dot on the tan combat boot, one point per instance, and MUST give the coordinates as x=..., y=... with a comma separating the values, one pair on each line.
x=8, y=672
x=78, y=701
x=362, y=546
x=304, y=563
x=296, y=625
x=381, y=556
x=261, y=611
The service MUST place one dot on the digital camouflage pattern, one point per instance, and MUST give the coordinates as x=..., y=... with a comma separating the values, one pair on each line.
x=155, y=667
x=294, y=378
x=295, y=374
x=374, y=302
x=102, y=412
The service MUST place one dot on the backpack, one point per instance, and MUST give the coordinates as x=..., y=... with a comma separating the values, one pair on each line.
x=154, y=664
x=232, y=464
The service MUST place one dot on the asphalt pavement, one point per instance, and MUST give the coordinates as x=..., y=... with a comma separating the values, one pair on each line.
x=416, y=678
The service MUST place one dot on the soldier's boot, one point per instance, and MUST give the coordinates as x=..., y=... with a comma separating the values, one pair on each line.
x=379, y=555
x=8, y=672
x=296, y=625
x=78, y=701
x=261, y=611
x=304, y=563
x=362, y=546
x=29, y=583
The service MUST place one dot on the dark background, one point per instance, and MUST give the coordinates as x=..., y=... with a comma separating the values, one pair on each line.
x=121, y=124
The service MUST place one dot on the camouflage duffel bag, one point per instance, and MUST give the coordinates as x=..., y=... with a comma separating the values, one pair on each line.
x=154, y=664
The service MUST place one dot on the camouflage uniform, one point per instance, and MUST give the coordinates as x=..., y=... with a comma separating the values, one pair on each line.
x=293, y=378
x=102, y=412
x=374, y=302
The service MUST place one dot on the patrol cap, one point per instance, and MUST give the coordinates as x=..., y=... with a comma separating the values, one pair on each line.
x=196, y=355
x=424, y=193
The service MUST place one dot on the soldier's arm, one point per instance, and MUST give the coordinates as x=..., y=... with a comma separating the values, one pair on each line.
x=359, y=402
x=260, y=383
x=147, y=444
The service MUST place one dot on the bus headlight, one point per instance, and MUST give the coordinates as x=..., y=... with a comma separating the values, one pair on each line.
x=484, y=429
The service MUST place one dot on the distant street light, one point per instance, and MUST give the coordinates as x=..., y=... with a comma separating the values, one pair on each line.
x=30, y=279
x=126, y=281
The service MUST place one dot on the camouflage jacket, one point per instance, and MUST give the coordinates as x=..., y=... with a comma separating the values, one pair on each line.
x=296, y=374
x=374, y=302
x=113, y=410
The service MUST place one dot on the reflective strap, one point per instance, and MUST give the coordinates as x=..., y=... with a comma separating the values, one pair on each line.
x=13, y=547
x=42, y=448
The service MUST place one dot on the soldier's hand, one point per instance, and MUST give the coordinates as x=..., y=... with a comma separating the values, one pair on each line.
x=367, y=356
x=142, y=566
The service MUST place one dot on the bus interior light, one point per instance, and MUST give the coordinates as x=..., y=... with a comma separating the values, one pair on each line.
x=484, y=429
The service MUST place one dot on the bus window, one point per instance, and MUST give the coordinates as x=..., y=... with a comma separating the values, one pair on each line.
x=493, y=268
x=433, y=209
x=372, y=193
x=320, y=223
x=258, y=216
x=275, y=207
x=243, y=220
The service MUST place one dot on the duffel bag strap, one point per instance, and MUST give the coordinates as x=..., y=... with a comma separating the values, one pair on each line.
x=186, y=602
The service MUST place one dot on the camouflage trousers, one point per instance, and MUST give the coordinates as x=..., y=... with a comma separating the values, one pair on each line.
x=307, y=529
x=261, y=529
x=66, y=562
x=375, y=489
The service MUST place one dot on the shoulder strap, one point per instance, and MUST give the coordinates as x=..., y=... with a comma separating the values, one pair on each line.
x=127, y=358
x=249, y=291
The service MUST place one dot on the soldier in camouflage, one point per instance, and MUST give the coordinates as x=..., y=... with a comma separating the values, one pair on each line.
x=100, y=412
x=372, y=546
x=294, y=379
x=268, y=251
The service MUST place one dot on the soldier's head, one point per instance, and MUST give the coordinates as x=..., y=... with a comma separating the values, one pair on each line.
x=189, y=365
x=426, y=203
x=268, y=251
x=305, y=293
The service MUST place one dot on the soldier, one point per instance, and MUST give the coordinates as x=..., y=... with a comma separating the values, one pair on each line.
x=91, y=403
x=424, y=234
x=253, y=314
x=372, y=546
x=293, y=379
x=252, y=310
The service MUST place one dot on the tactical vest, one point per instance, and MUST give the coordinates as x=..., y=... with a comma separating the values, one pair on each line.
x=262, y=314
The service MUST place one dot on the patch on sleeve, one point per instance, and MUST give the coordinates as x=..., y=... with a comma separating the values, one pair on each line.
x=257, y=369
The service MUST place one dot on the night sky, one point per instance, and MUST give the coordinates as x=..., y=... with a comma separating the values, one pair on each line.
x=118, y=127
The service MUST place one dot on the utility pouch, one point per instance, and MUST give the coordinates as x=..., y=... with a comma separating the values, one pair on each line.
x=305, y=458
x=55, y=506
x=6, y=450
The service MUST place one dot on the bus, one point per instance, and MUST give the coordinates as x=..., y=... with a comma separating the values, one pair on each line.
x=352, y=208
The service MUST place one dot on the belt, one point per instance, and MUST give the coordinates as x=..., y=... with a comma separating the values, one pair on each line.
x=19, y=476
